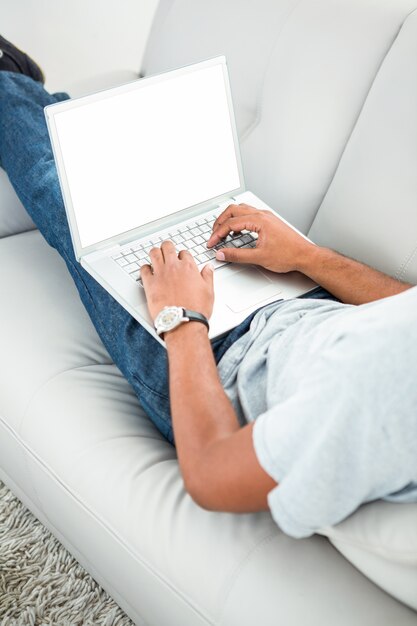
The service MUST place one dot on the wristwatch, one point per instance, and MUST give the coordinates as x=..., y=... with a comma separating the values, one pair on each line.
x=172, y=316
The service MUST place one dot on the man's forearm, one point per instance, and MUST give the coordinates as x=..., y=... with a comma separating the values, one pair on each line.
x=350, y=281
x=202, y=413
x=216, y=456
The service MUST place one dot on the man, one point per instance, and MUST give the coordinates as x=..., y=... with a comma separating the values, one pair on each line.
x=308, y=408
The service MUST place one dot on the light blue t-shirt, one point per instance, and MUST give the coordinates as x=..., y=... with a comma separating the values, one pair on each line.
x=333, y=390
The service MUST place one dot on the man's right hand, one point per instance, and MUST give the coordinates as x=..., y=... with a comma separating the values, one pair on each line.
x=279, y=248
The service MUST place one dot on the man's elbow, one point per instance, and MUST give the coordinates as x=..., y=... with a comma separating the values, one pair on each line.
x=201, y=491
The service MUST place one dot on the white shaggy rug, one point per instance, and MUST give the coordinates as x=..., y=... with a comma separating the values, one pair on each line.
x=40, y=582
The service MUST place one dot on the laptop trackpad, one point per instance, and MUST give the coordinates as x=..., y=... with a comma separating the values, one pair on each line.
x=246, y=287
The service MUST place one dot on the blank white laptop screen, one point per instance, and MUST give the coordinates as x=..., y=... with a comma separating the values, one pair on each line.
x=138, y=156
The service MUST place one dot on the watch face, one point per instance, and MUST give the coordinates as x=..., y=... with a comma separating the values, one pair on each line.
x=169, y=318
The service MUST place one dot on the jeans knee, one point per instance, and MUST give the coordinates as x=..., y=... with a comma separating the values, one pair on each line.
x=11, y=82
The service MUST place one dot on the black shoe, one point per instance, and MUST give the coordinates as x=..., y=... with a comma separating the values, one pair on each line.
x=14, y=60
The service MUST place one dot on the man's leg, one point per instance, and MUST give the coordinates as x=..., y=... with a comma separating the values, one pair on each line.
x=26, y=155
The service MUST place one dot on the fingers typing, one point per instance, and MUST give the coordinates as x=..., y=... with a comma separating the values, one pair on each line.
x=233, y=210
x=233, y=225
x=168, y=250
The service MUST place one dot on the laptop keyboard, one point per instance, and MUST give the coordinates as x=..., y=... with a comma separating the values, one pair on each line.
x=191, y=236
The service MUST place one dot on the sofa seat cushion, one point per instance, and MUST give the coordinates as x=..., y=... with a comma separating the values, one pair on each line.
x=40, y=336
x=380, y=539
x=108, y=483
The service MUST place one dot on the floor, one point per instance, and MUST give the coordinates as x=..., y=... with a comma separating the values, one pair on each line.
x=82, y=45
x=40, y=582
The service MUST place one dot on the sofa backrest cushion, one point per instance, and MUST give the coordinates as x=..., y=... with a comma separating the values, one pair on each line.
x=370, y=209
x=302, y=73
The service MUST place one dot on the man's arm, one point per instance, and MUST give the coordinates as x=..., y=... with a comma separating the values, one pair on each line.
x=350, y=281
x=216, y=456
x=281, y=249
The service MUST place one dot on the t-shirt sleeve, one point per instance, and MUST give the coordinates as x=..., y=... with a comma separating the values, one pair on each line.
x=343, y=438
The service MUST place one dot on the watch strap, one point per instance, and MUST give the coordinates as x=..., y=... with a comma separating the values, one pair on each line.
x=193, y=316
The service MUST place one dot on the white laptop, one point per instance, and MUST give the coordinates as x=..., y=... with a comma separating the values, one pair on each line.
x=159, y=159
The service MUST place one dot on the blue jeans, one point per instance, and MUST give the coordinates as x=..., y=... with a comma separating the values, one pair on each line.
x=26, y=156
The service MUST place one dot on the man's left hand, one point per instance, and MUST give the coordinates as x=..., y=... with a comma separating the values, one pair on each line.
x=175, y=280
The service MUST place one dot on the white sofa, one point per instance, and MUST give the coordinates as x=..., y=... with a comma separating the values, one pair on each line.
x=326, y=98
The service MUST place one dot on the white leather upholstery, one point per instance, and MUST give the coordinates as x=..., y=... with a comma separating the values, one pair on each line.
x=381, y=540
x=325, y=94
x=370, y=209
x=76, y=446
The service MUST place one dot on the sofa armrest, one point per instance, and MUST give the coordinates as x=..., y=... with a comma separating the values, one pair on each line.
x=13, y=217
